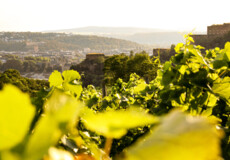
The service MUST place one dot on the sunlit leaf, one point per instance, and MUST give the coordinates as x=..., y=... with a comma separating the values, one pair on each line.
x=211, y=100
x=55, y=79
x=207, y=112
x=140, y=87
x=73, y=88
x=178, y=137
x=71, y=83
x=190, y=39
x=227, y=51
x=15, y=116
x=63, y=107
x=199, y=47
x=178, y=47
x=198, y=56
x=213, y=76
x=114, y=124
x=222, y=87
x=60, y=112
x=194, y=67
x=46, y=134
x=70, y=75
x=183, y=69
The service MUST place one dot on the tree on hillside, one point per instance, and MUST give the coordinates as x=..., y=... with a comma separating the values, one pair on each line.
x=121, y=66
x=13, y=64
x=142, y=65
x=13, y=76
x=116, y=67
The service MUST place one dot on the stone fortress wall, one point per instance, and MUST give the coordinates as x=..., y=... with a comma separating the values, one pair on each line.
x=213, y=31
x=219, y=29
x=93, y=56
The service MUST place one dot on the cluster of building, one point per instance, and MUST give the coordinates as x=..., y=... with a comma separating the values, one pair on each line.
x=64, y=58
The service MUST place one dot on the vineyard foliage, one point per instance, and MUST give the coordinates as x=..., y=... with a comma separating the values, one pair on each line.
x=182, y=114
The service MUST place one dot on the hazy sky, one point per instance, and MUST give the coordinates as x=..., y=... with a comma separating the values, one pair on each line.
x=39, y=15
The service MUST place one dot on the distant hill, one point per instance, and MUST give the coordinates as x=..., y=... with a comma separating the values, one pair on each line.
x=139, y=35
x=16, y=41
x=155, y=38
x=109, y=30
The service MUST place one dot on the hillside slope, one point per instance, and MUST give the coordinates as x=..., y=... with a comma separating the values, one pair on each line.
x=149, y=36
x=16, y=41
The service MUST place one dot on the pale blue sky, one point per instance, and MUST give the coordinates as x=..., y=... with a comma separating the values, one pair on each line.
x=39, y=15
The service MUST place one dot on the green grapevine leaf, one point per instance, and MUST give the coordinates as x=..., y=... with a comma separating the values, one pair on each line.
x=15, y=116
x=182, y=69
x=61, y=111
x=211, y=101
x=199, y=57
x=70, y=83
x=194, y=67
x=178, y=137
x=227, y=51
x=219, y=63
x=73, y=88
x=114, y=124
x=167, y=65
x=140, y=87
x=168, y=77
x=55, y=79
x=63, y=107
x=190, y=39
x=222, y=87
x=207, y=112
x=47, y=134
x=71, y=75
x=200, y=47
x=178, y=47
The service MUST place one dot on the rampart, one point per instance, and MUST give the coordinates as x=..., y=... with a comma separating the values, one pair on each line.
x=218, y=29
x=213, y=31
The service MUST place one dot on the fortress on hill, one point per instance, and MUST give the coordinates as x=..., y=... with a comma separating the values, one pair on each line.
x=213, y=31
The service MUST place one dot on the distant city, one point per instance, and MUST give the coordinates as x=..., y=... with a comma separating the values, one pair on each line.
x=37, y=54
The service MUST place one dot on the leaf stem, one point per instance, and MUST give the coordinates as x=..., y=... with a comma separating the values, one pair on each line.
x=108, y=146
